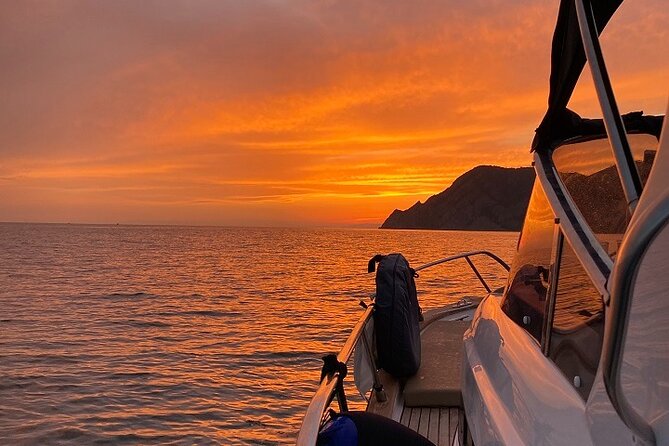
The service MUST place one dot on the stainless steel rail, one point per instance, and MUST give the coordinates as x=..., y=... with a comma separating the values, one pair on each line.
x=549, y=308
x=466, y=256
x=328, y=388
x=622, y=153
x=631, y=252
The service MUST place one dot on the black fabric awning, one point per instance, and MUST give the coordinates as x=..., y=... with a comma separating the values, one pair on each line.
x=567, y=62
x=569, y=124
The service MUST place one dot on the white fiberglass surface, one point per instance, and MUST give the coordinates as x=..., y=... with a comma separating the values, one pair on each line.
x=513, y=394
x=645, y=367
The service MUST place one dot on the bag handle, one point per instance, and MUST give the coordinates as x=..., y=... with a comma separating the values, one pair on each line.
x=371, y=266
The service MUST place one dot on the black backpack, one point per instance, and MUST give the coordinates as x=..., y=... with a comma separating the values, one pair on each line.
x=396, y=315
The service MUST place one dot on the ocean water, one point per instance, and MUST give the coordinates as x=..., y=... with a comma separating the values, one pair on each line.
x=190, y=335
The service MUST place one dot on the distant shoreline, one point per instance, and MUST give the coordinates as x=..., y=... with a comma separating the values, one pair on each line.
x=486, y=198
x=166, y=225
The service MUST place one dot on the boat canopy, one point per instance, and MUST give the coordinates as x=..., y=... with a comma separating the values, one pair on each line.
x=567, y=62
x=569, y=124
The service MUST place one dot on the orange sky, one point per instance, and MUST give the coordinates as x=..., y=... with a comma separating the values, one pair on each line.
x=300, y=112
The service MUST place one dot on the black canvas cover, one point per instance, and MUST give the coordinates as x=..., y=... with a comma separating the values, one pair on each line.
x=567, y=62
x=396, y=316
x=571, y=125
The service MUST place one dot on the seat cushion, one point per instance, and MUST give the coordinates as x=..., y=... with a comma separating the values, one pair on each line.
x=438, y=380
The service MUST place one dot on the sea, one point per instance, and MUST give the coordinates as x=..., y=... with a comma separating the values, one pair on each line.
x=113, y=334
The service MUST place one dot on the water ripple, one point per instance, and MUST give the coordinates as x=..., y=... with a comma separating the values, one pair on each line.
x=175, y=335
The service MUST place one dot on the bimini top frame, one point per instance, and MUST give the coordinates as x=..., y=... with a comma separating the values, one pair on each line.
x=576, y=38
x=631, y=183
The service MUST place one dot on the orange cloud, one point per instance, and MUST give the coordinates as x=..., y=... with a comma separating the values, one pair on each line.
x=272, y=113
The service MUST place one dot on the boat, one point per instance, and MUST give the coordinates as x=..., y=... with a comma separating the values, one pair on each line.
x=574, y=350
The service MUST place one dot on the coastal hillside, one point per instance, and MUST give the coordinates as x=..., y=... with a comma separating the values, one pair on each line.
x=486, y=198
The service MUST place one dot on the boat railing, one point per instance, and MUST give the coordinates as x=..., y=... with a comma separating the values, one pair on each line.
x=467, y=256
x=334, y=369
x=332, y=383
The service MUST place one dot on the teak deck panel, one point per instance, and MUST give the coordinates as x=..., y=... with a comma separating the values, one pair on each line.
x=439, y=425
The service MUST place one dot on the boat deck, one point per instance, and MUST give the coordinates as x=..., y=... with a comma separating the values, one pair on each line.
x=443, y=426
x=430, y=402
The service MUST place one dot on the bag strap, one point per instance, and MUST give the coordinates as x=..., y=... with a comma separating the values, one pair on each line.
x=371, y=266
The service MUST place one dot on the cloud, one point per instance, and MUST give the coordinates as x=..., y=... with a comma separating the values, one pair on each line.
x=272, y=112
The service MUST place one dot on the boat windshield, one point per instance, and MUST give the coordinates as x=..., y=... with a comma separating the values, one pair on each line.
x=525, y=298
x=588, y=171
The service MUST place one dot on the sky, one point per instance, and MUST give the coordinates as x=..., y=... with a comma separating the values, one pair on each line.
x=278, y=112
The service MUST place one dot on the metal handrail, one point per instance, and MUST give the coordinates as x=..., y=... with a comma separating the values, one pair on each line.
x=328, y=387
x=466, y=256
x=613, y=122
x=626, y=263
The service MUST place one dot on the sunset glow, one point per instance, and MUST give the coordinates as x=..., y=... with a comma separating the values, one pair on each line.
x=281, y=112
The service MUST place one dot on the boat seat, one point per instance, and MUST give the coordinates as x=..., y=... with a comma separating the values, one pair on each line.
x=438, y=380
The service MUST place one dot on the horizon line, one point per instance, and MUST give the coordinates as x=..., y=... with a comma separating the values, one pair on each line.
x=194, y=225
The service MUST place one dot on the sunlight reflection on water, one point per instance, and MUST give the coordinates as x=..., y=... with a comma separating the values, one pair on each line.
x=171, y=335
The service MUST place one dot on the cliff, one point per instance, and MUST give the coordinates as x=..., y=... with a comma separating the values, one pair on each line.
x=487, y=198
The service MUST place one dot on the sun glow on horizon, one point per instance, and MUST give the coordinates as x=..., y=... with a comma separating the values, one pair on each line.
x=266, y=113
